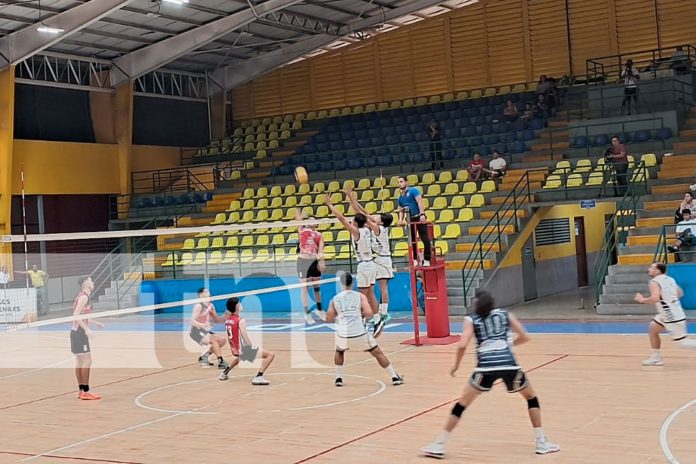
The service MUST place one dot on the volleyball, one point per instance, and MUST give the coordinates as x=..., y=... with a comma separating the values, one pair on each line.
x=301, y=175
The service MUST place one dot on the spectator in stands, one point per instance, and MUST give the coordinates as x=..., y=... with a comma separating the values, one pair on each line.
x=510, y=112
x=618, y=157
x=528, y=112
x=552, y=93
x=541, y=108
x=543, y=85
x=476, y=168
x=497, y=166
x=630, y=77
x=685, y=230
x=680, y=61
x=435, y=145
x=687, y=203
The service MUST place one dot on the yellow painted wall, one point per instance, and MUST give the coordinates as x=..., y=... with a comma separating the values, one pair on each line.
x=488, y=43
x=58, y=168
x=594, y=232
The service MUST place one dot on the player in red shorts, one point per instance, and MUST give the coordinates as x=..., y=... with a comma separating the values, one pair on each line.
x=310, y=265
x=240, y=343
x=80, y=335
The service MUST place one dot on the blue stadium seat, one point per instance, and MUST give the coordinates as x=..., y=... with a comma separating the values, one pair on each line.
x=355, y=163
x=326, y=166
x=600, y=140
x=579, y=142
x=374, y=133
x=536, y=124
x=384, y=160
x=625, y=137
x=324, y=146
x=663, y=133
x=641, y=136
x=485, y=130
x=166, y=201
x=363, y=143
x=519, y=147
x=508, y=137
x=321, y=138
x=338, y=145
x=326, y=156
x=285, y=170
x=416, y=157
x=478, y=121
x=484, y=150
x=501, y=127
x=475, y=141
x=502, y=148
x=528, y=135
x=146, y=202
x=360, y=134
x=350, y=144
x=372, y=124
x=520, y=126
x=469, y=131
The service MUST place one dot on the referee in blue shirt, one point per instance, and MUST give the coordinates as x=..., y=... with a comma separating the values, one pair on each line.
x=411, y=202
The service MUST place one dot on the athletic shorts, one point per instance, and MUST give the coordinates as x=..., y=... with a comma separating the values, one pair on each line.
x=79, y=341
x=515, y=380
x=197, y=334
x=367, y=274
x=307, y=268
x=385, y=268
x=364, y=342
x=248, y=353
x=677, y=329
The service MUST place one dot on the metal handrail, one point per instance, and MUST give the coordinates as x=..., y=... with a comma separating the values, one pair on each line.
x=617, y=227
x=662, y=252
x=520, y=194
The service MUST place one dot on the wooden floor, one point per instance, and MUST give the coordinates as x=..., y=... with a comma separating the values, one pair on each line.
x=597, y=402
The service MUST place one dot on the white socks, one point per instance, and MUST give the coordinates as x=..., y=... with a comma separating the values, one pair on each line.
x=656, y=353
x=442, y=438
x=539, y=433
x=339, y=372
x=391, y=371
x=383, y=307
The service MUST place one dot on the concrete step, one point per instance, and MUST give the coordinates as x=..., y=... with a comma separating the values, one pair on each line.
x=663, y=205
x=636, y=250
x=468, y=247
x=458, y=265
x=637, y=240
x=657, y=213
x=489, y=214
x=645, y=231
x=675, y=189
x=476, y=230
x=641, y=258
x=624, y=309
x=654, y=222
x=689, y=145
x=627, y=288
x=622, y=298
x=633, y=278
x=616, y=269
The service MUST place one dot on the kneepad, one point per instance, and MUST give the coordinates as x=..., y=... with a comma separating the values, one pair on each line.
x=533, y=403
x=458, y=409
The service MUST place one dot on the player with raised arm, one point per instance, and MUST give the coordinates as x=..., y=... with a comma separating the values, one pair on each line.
x=201, y=332
x=80, y=336
x=349, y=309
x=383, y=258
x=310, y=265
x=361, y=232
x=665, y=295
x=240, y=343
x=491, y=328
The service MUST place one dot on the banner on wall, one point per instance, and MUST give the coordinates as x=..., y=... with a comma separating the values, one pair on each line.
x=17, y=305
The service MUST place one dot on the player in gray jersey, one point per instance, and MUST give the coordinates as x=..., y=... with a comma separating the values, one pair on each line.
x=491, y=328
x=665, y=295
x=350, y=309
x=383, y=261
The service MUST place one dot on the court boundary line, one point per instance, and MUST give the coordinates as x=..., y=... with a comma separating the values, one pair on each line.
x=664, y=430
x=19, y=374
x=406, y=419
x=73, y=458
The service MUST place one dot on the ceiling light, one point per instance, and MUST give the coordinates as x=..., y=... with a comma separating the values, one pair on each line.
x=49, y=30
x=176, y=2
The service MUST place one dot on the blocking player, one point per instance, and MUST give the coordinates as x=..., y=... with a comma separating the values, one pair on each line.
x=495, y=360
x=361, y=231
x=382, y=250
x=201, y=331
x=240, y=343
x=80, y=336
x=665, y=295
x=310, y=265
x=349, y=309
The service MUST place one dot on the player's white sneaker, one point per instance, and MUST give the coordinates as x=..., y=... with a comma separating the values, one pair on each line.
x=433, y=450
x=398, y=380
x=543, y=446
x=320, y=314
x=223, y=376
x=260, y=381
x=309, y=319
x=653, y=361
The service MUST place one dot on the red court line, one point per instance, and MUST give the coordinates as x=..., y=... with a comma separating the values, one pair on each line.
x=74, y=458
x=72, y=392
x=413, y=416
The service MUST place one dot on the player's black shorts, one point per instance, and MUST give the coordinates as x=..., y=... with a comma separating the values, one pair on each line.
x=515, y=380
x=197, y=334
x=79, y=341
x=308, y=267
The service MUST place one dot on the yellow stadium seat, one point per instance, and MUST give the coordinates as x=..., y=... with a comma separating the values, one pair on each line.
x=262, y=240
x=574, y=180
x=451, y=189
x=441, y=247
x=276, y=202
x=289, y=189
x=235, y=205
x=249, y=139
x=420, y=101
x=185, y=259
x=231, y=256
x=247, y=241
x=322, y=211
x=387, y=206
x=553, y=182
x=649, y=159
x=430, y=215
x=504, y=90
x=319, y=199
x=262, y=256
x=232, y=242
x=631, y=161
x=453, y=231
x=490, y=92
x=458, y=201
x=379, y=183
x=233, y=217
x=437, y=231
x=278, y=239
x=640, y=175
x=305, y=200
x=367, y=195
x=334, y=186
x=290, y=202
x=248, y=204
x=426, y=203
x=371, y=207
x=531, y=86
x=382, y=106
x=203, y=244
x=562, y=168
x=261, y=192
x=487, y=186
x=462, y=175
x=246, y=255
x=189, y=244
x=439, y=203
x=260, y=154
x=370, y=107
x=296, y=125
x=171, y=259
x=343, y=252
x=220, y=218
x=363, y=184
x=308, y=210
x=218, y=242
x=238, y=132
x=407, y=103
x=357, y=109
x=248, y=193
x=346, y=111
x=596, y=178
x=291, y=254
x=261, y=203
x=336, y=198
x=434, y=99
x=215, y=257
x=343, y=236
x=328, y=236
x=519, y=88
x=433, y=190
x=476, y=93
x=446, y=216
x=260, y=146
x=303, y=190
x=465, y=215
x=448, y=97
x=396, y=233
x=469, y=187
x=319, y=187
x=583, y=165
x=333, y=112
x=393, y=181
x=275, y=191
x=445, y=177
x=199, y=259
x=428, y=178
x=322, y=114
x=412, y=179
x=329, y=252
x=400, y=250
x=602, y=165
x=463, y=95
x=347, y=183
x=476, y=201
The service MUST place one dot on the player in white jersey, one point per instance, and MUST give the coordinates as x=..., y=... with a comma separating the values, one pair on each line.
x=361, y=231
x=665, y=295
x=201, y=330
x=383, y=259
x=491, y=329
x=349, y=309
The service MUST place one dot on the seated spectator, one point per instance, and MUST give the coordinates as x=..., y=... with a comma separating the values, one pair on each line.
x=543, y=85
x=685, y=232
x=552, y=93
x=497, y=166
x=510, y=112
x=680, y=61
x=528, y=112
x=687, y=203
x=476, y=167
x=541, y=109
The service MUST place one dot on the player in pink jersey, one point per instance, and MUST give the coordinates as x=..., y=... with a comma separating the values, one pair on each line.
x=80, y=335
x=240, y=343
x=201, y=331
x=310, y=265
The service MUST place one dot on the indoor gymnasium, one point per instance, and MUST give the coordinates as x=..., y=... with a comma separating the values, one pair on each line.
x=343, y=231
